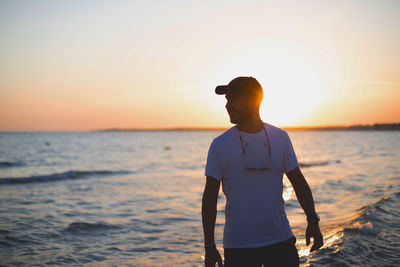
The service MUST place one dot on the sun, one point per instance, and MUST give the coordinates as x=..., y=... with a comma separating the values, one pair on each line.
x=293, y=82
x=293, y=90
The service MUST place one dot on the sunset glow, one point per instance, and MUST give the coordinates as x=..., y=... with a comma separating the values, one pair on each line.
x=85, y=65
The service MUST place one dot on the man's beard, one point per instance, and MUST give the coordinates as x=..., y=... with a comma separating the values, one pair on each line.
x=234, y=121
x=240, y=118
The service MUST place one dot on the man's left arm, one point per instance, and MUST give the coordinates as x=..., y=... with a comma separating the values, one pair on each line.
x=305, y=198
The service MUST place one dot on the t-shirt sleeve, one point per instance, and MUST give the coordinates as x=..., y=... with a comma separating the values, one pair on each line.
x=213, y=165
x=290, y=161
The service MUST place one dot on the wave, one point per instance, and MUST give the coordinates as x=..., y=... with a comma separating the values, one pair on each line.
x=317, y=163
x=372, y=217
x=370, y=239
x=59, y=176
x=9, y=164
x=84, y=227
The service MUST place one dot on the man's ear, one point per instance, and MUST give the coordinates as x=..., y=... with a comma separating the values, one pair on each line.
x=255, y=101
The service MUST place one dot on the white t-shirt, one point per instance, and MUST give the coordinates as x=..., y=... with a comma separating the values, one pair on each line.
x=254, y=210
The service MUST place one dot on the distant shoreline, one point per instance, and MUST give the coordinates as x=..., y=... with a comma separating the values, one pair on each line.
x=374, y=127
x=358, y=127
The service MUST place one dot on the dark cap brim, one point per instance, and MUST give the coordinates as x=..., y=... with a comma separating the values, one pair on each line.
x=221, y=89
x=248, y=85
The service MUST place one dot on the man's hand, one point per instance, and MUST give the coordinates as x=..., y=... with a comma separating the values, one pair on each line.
x=212, y=257
x=314, y=232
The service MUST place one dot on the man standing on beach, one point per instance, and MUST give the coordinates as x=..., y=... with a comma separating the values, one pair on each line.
x=250, y=159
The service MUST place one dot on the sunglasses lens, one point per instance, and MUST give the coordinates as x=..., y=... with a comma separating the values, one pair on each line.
x=256, y=156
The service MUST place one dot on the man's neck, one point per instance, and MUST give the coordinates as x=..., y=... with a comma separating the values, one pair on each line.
x=253, y=125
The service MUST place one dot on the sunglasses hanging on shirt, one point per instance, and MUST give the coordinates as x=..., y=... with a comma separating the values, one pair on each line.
x=257, y=153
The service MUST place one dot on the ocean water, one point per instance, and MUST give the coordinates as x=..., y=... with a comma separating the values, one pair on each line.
x=134, y=198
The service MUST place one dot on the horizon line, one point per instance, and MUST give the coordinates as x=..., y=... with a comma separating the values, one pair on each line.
x=378, y=126
x=375, y=126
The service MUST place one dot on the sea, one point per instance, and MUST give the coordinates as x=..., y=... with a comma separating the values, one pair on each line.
x=133, y=198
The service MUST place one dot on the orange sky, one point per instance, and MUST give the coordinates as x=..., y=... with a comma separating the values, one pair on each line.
x=84, y=65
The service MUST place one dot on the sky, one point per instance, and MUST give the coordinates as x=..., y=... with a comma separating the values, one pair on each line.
x=87, y=65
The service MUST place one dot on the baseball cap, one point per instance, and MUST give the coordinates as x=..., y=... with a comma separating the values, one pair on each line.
x=240, y=85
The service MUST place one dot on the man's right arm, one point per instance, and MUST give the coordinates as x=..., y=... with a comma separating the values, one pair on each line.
x=209, y=215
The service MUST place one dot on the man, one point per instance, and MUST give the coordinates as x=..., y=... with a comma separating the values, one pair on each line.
x=250, y=159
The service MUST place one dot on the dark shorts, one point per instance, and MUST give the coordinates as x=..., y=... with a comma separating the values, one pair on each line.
x=280, y=254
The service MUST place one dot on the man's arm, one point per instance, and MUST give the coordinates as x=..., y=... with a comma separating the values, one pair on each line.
x=305, y=198
x=209, y=215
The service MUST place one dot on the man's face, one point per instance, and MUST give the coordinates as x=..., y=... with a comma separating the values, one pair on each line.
x=238, y=107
